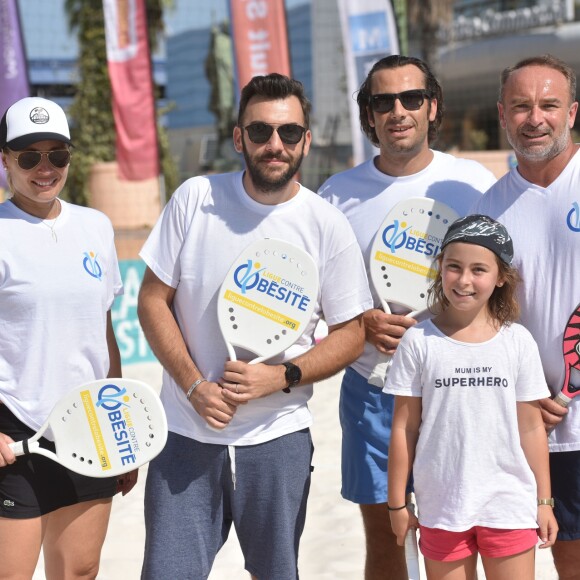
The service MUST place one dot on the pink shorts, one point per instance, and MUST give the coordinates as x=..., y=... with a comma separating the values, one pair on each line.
x=445, y=546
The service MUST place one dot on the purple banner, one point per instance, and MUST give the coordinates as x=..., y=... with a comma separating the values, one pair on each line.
x=13, y=71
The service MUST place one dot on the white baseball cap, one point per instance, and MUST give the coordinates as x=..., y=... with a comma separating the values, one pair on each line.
x=30, y=120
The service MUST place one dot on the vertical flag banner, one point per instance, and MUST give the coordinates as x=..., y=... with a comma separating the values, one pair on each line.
x=260, y=38
x=13, y=71
x=369, y=33
x=129, y=66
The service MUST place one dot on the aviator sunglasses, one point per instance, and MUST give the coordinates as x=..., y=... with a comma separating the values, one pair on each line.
x=260, y=133
x=30, y=159
x=412, y=100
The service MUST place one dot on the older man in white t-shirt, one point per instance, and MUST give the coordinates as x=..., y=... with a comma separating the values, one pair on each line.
x=538, y=201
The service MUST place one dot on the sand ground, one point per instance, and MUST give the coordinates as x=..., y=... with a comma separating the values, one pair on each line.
x=332, y=546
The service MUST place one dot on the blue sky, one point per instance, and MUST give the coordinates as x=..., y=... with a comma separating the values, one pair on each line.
x=191, y=14
x=46, y=32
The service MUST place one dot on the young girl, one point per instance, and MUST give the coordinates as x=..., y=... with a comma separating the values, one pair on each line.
x=467, y=418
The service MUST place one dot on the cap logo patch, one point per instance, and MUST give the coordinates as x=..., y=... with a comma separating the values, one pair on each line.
x=39, y=116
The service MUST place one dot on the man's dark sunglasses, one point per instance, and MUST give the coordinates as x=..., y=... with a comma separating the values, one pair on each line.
x=412, y=100
x=30, y=159
x=261, y=133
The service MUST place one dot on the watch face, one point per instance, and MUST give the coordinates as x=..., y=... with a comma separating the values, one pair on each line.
x=293, y=375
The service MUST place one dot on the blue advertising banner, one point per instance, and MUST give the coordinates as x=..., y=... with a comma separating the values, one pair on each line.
x=132, y=342
x=369, y=32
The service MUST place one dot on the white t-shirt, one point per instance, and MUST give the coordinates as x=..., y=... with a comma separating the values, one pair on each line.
x=207, y=223
x=54, y=298
x=366, y=195
x=469, y=468
x=544, y=223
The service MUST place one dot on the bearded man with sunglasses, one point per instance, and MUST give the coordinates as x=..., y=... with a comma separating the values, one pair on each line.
x=239, y=448
x=55, y=314
x=400, y=110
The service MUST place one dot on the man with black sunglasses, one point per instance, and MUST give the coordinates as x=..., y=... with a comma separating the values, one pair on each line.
x=400, y=109
x=239, y=449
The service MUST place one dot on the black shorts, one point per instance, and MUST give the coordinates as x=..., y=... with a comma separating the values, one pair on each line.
x=35, y=485
x=565, y=475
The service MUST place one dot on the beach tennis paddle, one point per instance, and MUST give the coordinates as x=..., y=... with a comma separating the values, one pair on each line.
x=267, y=298
x=411, y=547
x=571, y=353
x=404, y=249
x=402, y=258
x=103, y=428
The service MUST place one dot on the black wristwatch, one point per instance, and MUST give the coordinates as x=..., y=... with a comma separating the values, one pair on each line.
x=293, y=375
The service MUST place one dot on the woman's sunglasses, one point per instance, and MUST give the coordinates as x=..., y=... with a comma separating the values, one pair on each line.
x=260, y=133
x=30, y=159
x=412, y=100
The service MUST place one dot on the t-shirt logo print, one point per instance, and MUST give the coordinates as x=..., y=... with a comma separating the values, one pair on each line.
x=573, y=218
x=39, y=116
x=92, y=266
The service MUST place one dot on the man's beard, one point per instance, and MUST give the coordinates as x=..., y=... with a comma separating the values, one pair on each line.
x=537, y=152
x=262, y=180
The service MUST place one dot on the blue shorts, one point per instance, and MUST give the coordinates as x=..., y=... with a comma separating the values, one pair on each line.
x=366, y=415
x=565, y=475
x=191, y=503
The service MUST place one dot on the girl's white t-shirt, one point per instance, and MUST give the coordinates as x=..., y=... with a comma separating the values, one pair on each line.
x=470, y=469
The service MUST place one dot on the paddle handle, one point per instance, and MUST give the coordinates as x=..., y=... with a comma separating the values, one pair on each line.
x=412, y=555
x=28, y=446
x=411, y=548
x=18, y=448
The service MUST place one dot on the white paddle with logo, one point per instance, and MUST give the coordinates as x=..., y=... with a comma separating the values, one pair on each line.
x=402, y=259
x=267, y=298
x=103, y=428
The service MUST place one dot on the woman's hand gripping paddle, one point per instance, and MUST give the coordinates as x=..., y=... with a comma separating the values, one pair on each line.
x=103, y=428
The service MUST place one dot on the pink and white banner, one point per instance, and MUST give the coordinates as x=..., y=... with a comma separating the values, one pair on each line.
x=260, y=38
x=369, y=32
x=129, y=65
x=13, y=70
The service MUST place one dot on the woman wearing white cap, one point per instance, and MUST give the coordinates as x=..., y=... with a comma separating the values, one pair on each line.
x=58, y=279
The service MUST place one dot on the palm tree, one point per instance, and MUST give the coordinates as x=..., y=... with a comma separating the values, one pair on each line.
x=93, y=126
x=427, y=19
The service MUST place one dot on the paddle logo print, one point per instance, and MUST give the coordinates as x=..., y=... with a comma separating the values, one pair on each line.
x=271, y=288
x=118, y=423
x=394, y=237
x=109, y=397
x=267, y=298
x=246, y=277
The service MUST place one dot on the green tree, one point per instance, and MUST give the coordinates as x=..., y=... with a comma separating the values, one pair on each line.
x=93, y=126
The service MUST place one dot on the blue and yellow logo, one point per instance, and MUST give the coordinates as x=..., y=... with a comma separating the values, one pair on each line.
x=573, y=218
x=92, y=266
x=400, y=235
x=114, y=401
x=252, y=276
